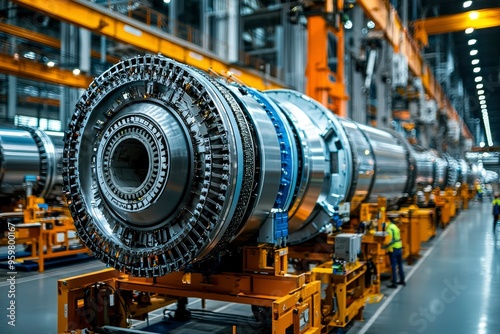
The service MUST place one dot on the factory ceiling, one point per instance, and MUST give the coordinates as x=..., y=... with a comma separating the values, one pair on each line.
x=469, y=65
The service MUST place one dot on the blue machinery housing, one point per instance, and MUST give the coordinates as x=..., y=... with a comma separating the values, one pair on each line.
x=164, y=165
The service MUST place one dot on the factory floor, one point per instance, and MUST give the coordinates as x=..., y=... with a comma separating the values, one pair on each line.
x=452, y=288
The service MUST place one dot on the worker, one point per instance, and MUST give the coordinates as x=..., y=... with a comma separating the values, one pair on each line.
x=479, y=191
x=395, y=251
x=496, y=210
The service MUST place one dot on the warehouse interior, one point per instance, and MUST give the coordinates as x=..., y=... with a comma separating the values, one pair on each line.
x=237, y=166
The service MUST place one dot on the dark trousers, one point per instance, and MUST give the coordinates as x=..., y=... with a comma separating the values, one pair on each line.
x=495, y=219
x=396, y=257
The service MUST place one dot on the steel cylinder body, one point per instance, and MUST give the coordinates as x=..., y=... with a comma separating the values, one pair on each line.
x=27, y=152
x=165, y=165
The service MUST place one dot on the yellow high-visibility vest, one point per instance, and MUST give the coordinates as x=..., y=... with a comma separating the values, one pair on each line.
x=395, y=233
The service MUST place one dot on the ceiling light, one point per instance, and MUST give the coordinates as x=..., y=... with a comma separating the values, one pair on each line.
x=479, y=86
x=481, y=144
x=482, y=97
x=478, y=79
x=474, y=61
x=473, y=52
x=370, y=24
x=473, y=15
x=476, y=69
x=76, y=71
x=168, y=1
x=472, y=41
x=485, y=112
x=469, y=31
x=348, y=24
x=467, y=4
x=50, y=63
x=482, y=102
x=30, y=55
x=483, y=106
x=480, y=92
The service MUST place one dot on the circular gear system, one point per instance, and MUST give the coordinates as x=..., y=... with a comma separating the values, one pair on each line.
x=154, y=163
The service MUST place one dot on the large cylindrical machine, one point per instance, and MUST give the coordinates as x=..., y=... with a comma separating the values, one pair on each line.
x=27, y=153
x=165, y=165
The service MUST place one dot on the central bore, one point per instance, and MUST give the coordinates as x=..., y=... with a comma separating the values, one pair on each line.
x=129, y=164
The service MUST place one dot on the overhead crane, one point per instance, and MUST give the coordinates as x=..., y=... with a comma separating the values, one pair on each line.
x=476, y=19
x=137, y=34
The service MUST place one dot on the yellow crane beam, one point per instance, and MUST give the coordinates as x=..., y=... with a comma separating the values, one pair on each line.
x=477, y=19
x=43, y=39
x=40, y=72
x=29, y=35
x=132, y=32
x=387, y=20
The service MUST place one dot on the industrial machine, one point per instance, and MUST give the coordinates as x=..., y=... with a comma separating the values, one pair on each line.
x=31, y=196
x=168, y=170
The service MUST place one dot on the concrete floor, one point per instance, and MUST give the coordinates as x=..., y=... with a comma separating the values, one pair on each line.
x=453, y=288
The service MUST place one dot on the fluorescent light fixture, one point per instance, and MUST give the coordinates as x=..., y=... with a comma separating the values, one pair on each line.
x=30, y=55
x=476, y=69
x=482, y=102
x=473, y=52
x=483, y=106
x=473, y=15
x=478, y=79
x=481, y=97
x=474, y=61
x=469, y=31
x=472, y=41
x=480, y=92
x=479, y=86
x=76, y=71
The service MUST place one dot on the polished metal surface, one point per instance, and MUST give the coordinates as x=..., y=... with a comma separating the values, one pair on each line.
x=391, y=164
x=20, y=157
x=166, y=166
x=363, y=164
x=162, y=170
x=326, y=155
x=268, y=151
x=28, y=152
x=440, y=170
x=50, y=146
x=464, y=172
x=425, y=165
x=452, y=171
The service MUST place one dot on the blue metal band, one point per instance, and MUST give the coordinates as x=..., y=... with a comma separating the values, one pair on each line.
x=285, y=146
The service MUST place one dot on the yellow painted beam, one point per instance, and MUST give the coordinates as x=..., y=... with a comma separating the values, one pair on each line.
x=387, y=20
x=119, y=27
x=30, y=35
x=40, y=72
x=477, y=19
x=40, y=100
x=43, y=39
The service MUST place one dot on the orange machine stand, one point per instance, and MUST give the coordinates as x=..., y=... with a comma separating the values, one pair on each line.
x=294, y=300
